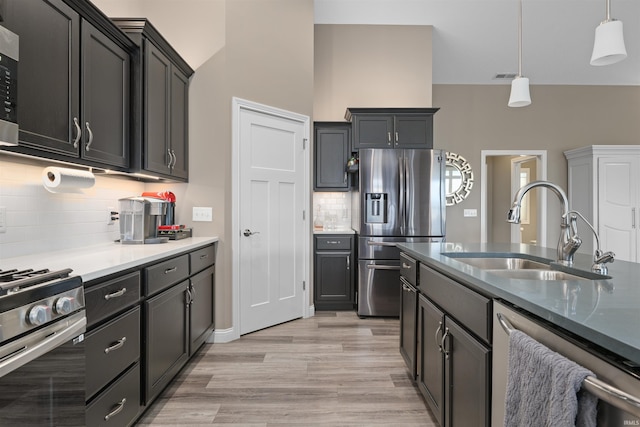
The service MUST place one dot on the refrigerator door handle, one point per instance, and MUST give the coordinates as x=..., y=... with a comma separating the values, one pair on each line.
x=383, y=267
x=373, y=243
x=401, y=193
x=408, y=198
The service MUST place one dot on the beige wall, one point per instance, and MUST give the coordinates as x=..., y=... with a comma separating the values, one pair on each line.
x=473, y=118
x=370, y=66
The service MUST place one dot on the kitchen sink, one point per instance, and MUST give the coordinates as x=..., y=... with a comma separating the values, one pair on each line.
x=522, y=267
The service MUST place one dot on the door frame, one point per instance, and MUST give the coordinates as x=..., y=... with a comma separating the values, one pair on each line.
x=237, y=106
x=541, y=174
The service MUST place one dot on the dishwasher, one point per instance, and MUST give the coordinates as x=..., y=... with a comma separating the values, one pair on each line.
x=617, y=388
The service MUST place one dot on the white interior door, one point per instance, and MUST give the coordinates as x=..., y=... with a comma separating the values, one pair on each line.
x=271, y=219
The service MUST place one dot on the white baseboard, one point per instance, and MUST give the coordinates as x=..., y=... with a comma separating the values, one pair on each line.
x=222, y=336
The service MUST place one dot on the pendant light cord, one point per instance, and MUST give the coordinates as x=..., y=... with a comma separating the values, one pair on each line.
x=608, y=5
x=520, y=40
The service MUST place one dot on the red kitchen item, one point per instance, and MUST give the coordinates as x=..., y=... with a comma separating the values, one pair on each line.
x=164, y=195
x=171, y=227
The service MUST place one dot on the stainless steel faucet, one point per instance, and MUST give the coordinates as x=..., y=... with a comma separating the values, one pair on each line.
x=568, y=241
x=600, y=258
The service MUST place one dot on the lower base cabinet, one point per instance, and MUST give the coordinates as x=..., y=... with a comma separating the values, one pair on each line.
x=201, y=303
x=167, y=345
x=119, y=404
x=334, y=273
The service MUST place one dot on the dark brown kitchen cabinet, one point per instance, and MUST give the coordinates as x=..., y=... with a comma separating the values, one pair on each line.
x=454, y=354
x=73, y=88
x=408, y=312
x=167, y=338
x=334, y=278
x=201, y=304
x=161, y=100
x=331, y=151
x=391, y=127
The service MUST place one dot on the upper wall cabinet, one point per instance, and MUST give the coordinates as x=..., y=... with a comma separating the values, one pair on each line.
x=391, y=127
x=332, y=147
x=161, y=100
x=73, y=86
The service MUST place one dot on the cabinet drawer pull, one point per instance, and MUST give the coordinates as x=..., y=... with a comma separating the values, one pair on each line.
x=205, y=256
x=115, y=294
x=436, y=336
x=397, y=139
x=333, y=242
x=90, y=141
x=170, y=270
x=348, y=262
x=389, y=137
x=406, y=266
x=117, y=410
x=116, y=346
x=78, y=132
x=443, y=343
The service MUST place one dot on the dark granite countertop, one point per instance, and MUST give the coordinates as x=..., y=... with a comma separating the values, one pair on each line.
x=603, y=312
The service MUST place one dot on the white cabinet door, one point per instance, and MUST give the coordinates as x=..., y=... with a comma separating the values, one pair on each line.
x=618, y=201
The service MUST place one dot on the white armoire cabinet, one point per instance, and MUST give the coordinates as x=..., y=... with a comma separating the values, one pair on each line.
x=603, y=186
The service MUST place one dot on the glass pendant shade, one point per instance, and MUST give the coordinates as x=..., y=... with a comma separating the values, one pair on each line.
x=519, y=92
x=608, y=47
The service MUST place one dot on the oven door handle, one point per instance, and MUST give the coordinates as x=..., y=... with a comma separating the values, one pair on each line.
x=76, y=326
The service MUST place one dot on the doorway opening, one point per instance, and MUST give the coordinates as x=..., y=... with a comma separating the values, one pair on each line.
x=514, y=167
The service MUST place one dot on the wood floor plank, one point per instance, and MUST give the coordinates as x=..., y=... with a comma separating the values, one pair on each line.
x=334, y=369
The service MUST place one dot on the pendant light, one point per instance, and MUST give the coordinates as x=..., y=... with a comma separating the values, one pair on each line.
x=608, y=47
x=520, y=85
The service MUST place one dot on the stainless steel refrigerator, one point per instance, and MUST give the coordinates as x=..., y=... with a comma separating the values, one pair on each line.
x=400, y=198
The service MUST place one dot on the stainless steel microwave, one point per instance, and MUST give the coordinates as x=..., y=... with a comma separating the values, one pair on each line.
x=9, y=49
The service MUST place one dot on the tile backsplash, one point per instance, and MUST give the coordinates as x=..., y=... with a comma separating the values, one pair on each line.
x=332, y=205
x=39, y=221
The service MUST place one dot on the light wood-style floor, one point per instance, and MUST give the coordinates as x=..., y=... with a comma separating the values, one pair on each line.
x=333, y=369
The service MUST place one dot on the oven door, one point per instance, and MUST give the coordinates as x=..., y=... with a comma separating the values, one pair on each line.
x=47, y=390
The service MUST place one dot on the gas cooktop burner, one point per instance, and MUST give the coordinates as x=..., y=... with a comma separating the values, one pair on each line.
x=14, y=280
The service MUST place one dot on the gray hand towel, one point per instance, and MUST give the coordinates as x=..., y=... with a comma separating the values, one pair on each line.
x=543, y=387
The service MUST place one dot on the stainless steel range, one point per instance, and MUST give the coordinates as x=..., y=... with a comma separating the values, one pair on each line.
x=42, y=366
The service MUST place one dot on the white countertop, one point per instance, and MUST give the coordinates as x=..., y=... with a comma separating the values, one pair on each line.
x=337, y=231
x=93, y=262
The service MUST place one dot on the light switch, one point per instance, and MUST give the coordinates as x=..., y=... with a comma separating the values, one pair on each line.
x=470, y=212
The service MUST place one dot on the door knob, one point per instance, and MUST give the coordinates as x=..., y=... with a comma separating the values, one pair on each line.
x=248, y=232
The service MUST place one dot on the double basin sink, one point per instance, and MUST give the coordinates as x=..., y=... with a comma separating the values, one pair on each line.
x=522, y=266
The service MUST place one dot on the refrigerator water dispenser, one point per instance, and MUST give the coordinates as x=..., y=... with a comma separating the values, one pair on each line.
x=376, y=208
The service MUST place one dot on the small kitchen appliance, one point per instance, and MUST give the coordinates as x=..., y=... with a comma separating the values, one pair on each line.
x=9, y=49
x=140, y=218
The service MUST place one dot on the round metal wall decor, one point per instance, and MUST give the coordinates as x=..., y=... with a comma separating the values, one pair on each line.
x=458, y=178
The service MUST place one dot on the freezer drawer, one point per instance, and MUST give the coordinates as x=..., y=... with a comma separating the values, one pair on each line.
x=379, y=288
x=385, y=247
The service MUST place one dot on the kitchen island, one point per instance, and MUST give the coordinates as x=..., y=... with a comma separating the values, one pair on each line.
x=460, y=292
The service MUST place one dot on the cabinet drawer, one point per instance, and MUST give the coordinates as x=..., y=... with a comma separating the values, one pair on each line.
x=202, y=258
x=333, y=242
x=165, y=274
x=110, y=349
x=470, y=308
x=120, y=403
x=108, y=298
x=408, y=269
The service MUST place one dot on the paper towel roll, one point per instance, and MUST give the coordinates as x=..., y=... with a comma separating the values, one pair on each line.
x=63, y=180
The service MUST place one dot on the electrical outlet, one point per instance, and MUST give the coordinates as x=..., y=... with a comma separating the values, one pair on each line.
x=112, y=215
x=3, y=219
x=202, y=214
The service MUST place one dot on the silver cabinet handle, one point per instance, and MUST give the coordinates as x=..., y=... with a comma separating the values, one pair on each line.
x=204, y=256
x=116, y=411
x=78, y=132
x=90, y=141
x=436, y=336
x=115, y=294
x=189, y=296
x=397, y=139
x=345, y=177
x=348, y=262
x=633, y=217
x=389, y=137
x=406, y=266
x=175, y=159
x=248, y=232
x=115, y=346
x=170, y=158
x=170, y=270
x=443, y=341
